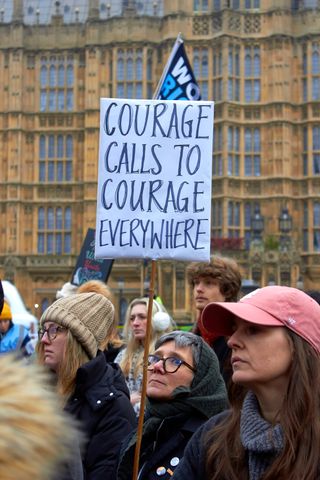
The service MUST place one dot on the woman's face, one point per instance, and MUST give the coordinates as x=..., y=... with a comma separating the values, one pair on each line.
x=160, y=385
x=138, y=321
x=261, y=356
x=54, y=340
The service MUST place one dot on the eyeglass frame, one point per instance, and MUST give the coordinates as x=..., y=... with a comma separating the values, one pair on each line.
x=163, y=360
x=42, y=331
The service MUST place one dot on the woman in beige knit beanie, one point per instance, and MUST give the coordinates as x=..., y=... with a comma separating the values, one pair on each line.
x=112, y=343
x=92, y=390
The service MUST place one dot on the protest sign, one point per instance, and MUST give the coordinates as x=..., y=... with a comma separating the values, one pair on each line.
x=154, y=179
x=87, y=267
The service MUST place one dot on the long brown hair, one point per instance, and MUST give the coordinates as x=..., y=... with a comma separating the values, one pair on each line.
x=299, y=419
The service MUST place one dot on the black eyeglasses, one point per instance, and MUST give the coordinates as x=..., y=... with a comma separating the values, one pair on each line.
x=51, y=332
x=170, y=364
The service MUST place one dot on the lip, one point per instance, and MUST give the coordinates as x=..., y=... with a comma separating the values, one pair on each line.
x=201, y=298
x=236, y=360
x=156, y=381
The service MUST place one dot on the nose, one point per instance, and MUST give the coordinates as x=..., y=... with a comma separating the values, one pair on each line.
x=136, y=321
x=199, y=287
x=158, y=366
x=45, y=338
x=234, y=340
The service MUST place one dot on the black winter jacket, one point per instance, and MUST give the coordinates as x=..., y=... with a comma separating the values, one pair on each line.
x=160, y=457
x=101, y=403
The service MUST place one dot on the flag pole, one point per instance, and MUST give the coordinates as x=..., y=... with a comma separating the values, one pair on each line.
x=145, y=368
x=175, y=47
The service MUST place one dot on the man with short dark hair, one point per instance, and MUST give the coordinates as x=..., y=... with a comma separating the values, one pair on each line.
x=216, y=281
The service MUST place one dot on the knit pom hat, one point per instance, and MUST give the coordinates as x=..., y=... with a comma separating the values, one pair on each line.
x=67, y=290
x=88, y=316
x=6, y=312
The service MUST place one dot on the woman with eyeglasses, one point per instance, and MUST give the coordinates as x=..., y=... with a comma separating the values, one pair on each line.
x=130, y=358
x=184, y=389
x=91, y=389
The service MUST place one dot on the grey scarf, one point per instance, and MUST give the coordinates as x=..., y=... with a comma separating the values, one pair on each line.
x=262, y=441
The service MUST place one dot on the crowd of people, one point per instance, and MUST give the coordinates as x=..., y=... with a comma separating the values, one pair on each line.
x=235, y=398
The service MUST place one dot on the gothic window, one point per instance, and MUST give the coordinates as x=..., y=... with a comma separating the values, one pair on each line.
x=54, y=230
x=217, y=74
x=252, y=74
x=252, y=4
x=217, y=151
x=55, y=158
x=315, y=71
x=200, y=5
x=56, y=83
x=234, y=151
x=249, y=209
x=316, y=150
x=234, y=73
x=130, y=73
x=233, y=219
x=316, y=226
x=200, y=70
x=305, y=151
x=216, y=219
x=252, y=148
x=305, y=73
x=310, y=3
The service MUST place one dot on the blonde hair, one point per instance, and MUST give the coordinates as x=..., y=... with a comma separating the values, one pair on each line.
x=97, y=286
x=36, y=436
x=134, y=346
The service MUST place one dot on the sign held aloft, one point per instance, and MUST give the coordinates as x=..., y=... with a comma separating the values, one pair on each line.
x=154, y=179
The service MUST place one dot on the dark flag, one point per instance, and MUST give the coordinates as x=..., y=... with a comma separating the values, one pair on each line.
x=87, y=266
x=178, y=81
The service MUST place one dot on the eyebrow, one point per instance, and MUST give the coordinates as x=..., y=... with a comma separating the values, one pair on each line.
x=172, y=353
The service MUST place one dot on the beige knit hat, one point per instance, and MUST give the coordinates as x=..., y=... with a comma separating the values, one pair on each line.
x=88, y=316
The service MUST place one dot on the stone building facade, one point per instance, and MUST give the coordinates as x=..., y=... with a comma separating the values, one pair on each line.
x=258, y=59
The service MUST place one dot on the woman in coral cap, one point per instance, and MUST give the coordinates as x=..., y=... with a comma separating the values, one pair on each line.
x=273, y=428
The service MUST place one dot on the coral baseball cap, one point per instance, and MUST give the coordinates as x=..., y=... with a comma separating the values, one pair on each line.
x=272, y=306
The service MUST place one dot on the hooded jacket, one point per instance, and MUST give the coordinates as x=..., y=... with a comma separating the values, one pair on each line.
x=15, y=339
x=169, y=425
x=101, y=403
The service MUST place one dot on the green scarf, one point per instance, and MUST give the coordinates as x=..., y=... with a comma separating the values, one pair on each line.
x=206, y=396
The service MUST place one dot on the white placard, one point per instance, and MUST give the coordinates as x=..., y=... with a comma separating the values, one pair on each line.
x=154, y=179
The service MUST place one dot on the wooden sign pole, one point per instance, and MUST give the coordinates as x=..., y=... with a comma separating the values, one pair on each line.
x=145, y=368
